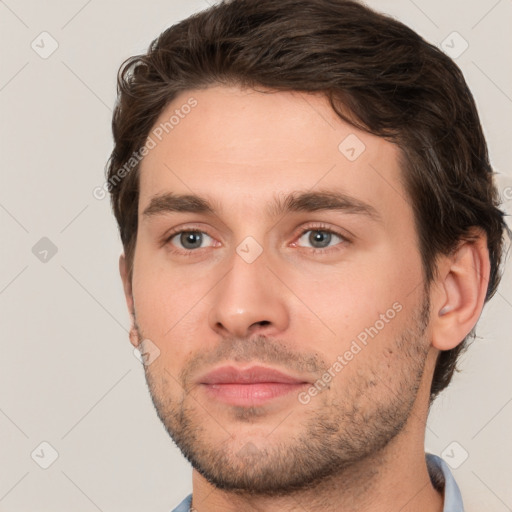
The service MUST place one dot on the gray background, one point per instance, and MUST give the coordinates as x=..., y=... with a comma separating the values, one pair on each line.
x=68, y=376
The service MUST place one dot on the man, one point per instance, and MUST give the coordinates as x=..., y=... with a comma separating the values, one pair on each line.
x=310, y=233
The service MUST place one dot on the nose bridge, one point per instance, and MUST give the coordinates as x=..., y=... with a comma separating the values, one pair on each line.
x=248, y=297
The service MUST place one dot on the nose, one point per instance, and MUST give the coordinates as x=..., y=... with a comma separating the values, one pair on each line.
x=249, y=300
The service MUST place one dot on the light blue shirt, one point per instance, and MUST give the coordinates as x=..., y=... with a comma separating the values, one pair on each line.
x=440, y=475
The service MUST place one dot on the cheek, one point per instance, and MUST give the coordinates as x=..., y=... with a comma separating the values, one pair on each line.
x=352, y=298
x=158, y=292
x=367, y=313
x=167, y=305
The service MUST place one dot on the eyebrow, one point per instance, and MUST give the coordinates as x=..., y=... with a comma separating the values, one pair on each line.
x=323, y=200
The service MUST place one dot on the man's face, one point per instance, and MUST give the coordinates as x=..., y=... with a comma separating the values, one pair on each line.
x=333, y=298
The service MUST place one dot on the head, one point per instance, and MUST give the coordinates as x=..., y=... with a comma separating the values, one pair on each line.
x=272, y=114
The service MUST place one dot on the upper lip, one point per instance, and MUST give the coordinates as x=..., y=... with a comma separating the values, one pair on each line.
x=250, y=375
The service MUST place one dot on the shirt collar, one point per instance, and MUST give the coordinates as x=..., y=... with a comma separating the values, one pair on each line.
x=442, y=479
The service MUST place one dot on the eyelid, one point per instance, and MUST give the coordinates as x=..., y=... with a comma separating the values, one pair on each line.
x=319, y=226
x=322, y=226
x=189, y=228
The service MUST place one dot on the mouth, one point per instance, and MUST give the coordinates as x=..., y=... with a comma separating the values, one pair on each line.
x=249, y=387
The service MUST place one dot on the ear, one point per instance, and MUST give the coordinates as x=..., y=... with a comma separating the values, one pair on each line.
x=459, y=296
x=128, y=294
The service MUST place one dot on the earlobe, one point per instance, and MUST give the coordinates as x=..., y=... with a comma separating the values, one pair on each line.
x=461, y=291
x=128, y=294
x=134, y=336
x=127, y=285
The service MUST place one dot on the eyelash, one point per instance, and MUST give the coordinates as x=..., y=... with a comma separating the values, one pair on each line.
x=317, y=227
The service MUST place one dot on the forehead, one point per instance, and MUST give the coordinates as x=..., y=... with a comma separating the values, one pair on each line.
x=241, y=146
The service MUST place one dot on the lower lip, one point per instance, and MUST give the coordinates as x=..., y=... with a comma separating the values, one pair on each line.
x=247, y=395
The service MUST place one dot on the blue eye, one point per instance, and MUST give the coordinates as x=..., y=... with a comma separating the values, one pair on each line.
x=318, y=239
x=321, y=238
x=189, y=240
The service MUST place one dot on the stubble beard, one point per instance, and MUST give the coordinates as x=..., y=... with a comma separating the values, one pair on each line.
x=335, y=438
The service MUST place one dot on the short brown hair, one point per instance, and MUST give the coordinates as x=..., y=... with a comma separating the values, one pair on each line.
x=378, y=74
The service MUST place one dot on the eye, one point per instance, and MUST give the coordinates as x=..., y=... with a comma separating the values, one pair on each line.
x=321, y=238
x=189, y=240
x=318, y=239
